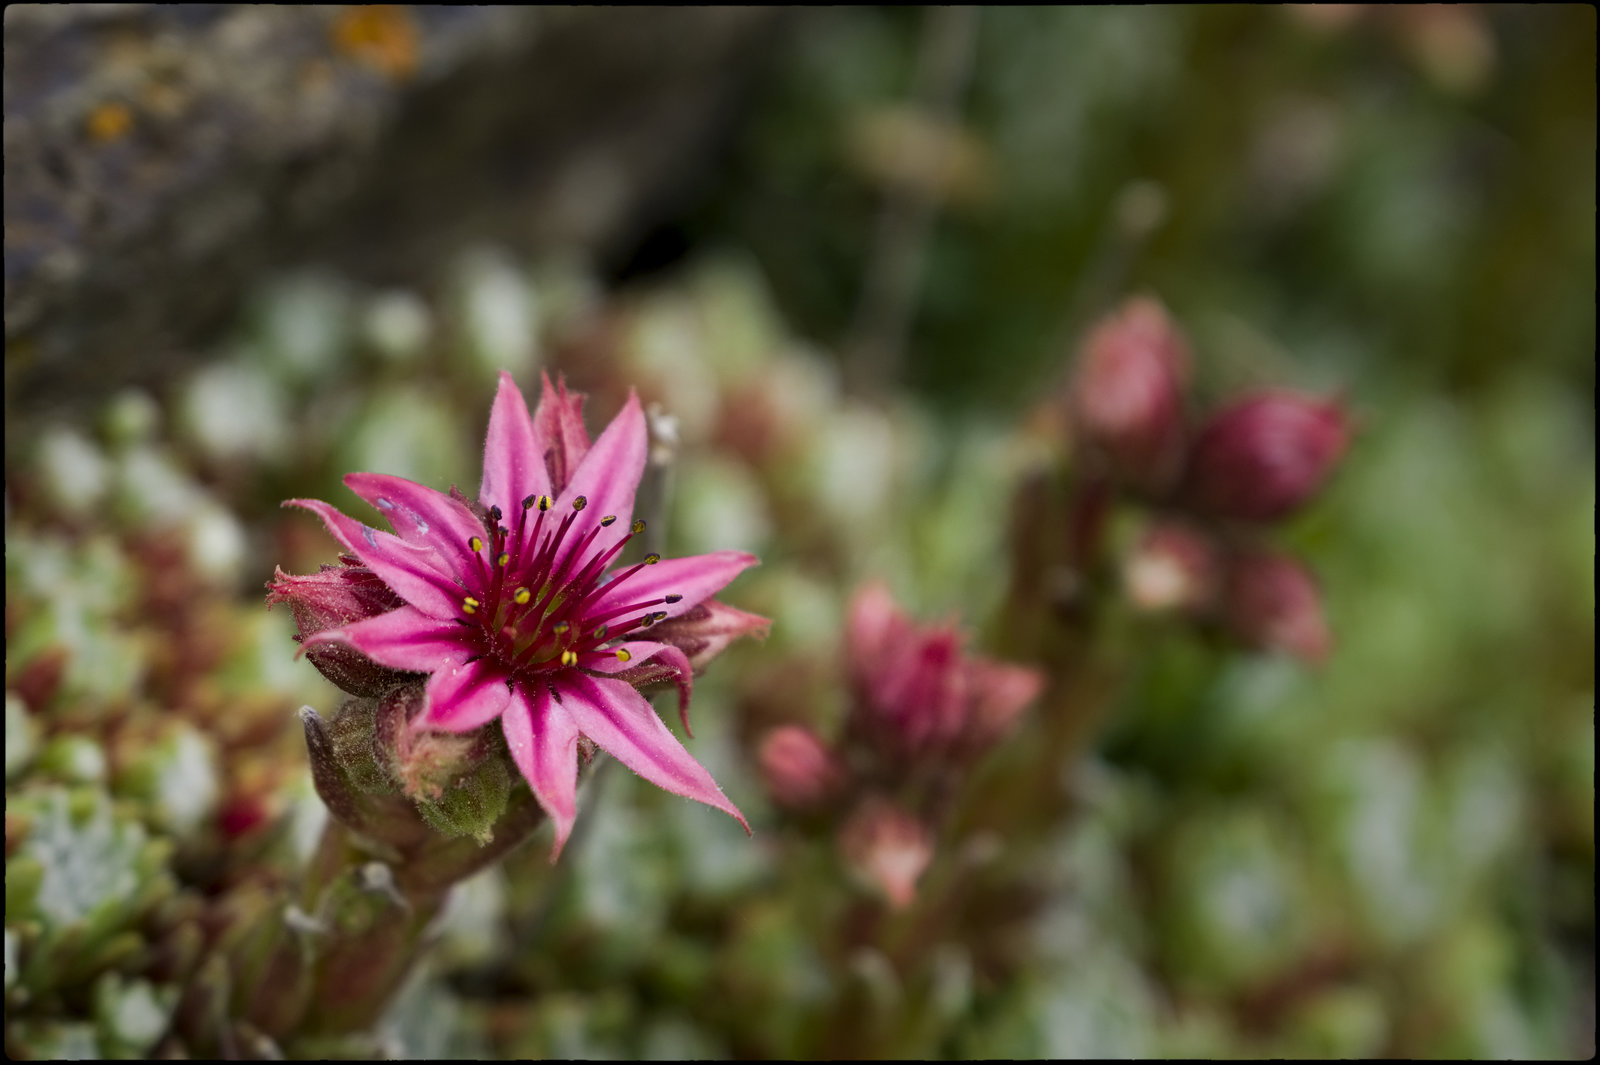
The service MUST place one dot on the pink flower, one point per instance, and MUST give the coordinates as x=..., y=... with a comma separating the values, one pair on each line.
x=918, y=693
x=1264, y=456
x=1127, y=392
x=513, y=606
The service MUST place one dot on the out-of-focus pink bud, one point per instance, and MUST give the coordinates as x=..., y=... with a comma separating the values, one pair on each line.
x=888, y=848
x=558, y=431
x=917, y=693
x=1127, y=393
x=1173, y=567
x=1272, y=603
x=1000, y=692
x=705, y=632
x=799, y=769
x=332, y=597
x=1265, y=455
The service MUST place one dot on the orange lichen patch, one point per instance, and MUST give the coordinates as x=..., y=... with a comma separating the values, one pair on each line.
x=383, y=36
x=108, y=122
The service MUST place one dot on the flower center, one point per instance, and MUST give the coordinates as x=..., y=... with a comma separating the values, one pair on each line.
x=535, y=595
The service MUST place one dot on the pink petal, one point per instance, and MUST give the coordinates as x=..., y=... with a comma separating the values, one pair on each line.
x=416, y=574
x=620, y=721
x=464, y=697
x=405, y=638
x=513, y=462
x=421, y=516
x=651, y=662
x=607, y=478
x=544, y=743
x=696, y=578
x=558, y=429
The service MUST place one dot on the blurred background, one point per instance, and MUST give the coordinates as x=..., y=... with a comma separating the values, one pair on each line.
x=852, y=252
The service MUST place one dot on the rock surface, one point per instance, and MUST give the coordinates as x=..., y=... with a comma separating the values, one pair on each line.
x=160, y=157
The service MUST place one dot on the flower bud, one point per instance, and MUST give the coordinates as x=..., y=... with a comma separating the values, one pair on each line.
x=704, y=632
x=799, y=769
x=887, y=848
x=457, y=780
x=332, y=597
x=1263, y=457
x=918, y=694
x=1173, y=567
x=1127, y=393
x=1272, y=603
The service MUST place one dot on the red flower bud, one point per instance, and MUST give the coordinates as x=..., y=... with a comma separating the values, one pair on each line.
x=1263, y=457
x=918, y=693
x=705, y=631
x=1272, y=603
x=328, y=599
x=1173, y=567
x=888, y=848
x=799, y=769
x=1127, y=393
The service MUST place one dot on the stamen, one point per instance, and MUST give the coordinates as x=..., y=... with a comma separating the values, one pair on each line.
x=544, y=502
x=638, y=527
x=470, y=605
x=569, y=658
x=505, y=556
x=494, y=514
x=623, y=655
x=608, y=520
x=561, y=628
x=674, y=598
x=475, y=544
x=528, y=502
x=651, y=559
x=600, y=633
x=522, y=596
x=580, y=502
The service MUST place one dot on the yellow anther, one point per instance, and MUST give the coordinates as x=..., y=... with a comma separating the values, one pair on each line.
x=544, y=502
x=651, y=559
x=623, y=655
x=470, y=605
x=638, y=527
x=522, y=596
x=600, y=633
x=569, y=658
x=580, y=502
x=505, y=556
x=475, y=544
x=561, y=628
x=608, y=519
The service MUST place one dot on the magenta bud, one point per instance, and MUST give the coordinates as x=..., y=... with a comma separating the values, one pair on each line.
x=1127, y=393
x=1272, y=603
x=1265, y=456
x=887, y=848
x=917, y=693
x=705, y=631
x=800, y=771
x=1173, y=567
x=332, y=597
